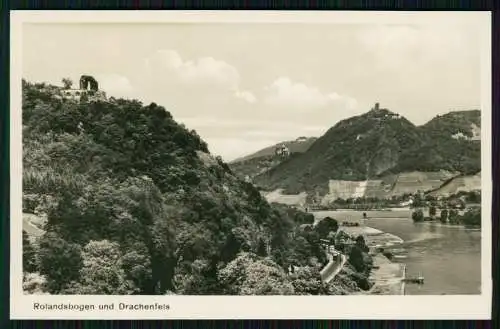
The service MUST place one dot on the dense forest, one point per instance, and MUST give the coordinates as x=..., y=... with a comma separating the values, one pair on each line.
x=134, y=204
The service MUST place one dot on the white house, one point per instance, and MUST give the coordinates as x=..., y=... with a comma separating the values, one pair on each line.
x=282, y=150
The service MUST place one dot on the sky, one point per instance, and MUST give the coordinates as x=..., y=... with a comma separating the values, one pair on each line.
x=246, y=86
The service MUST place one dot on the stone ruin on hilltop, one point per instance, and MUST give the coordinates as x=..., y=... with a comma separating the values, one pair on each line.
x=89, y=90
x=384, y=112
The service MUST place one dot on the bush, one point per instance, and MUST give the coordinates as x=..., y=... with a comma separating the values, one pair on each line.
x=417, y=216
x=472, y=217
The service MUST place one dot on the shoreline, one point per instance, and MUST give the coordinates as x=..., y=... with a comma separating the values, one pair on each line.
x=457, y=226
x=388, y=277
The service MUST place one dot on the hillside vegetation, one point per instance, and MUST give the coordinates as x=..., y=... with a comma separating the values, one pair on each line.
x=377, y=144
x=134, y=204
x=263, y=160
x=299, y=145
x=451, y=143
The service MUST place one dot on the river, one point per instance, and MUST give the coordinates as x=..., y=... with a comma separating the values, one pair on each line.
x=448, y=257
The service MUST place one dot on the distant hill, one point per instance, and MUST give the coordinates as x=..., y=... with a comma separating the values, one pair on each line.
x=298, y=145
x=452, y=142
x=261, y=161
x=377, y=144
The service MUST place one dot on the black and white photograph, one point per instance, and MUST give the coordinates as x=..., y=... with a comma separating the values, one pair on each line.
x=261, y=157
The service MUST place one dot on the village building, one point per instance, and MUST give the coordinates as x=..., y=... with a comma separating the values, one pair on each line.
x=282, y=151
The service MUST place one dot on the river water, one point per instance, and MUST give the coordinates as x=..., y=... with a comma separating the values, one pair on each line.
x=448, y=257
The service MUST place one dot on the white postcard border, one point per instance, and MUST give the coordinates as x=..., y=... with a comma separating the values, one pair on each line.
x=250, y=307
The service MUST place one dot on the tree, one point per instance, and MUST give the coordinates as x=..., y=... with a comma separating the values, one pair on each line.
x=417, y=201
x=444, y=216
x=417, y=215
x=29, y=260
x=35, y=284
x=136, y=262
x=430, y=197
x=432, y=211
x=453, y=216
x=361, y=244
x=197, y=278
x=472, y=217
x=325, y=226
x=60, y=261
x=67, y=83
x=474, y=197
x=307, y=281
x=340, y=239
x=304, y=218
x=102, y=272
x=356, y=259
x=262, y=248
x=250, y=275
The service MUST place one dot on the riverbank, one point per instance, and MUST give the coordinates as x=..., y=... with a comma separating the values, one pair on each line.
x=457, y=226
x=387, y=277
x=426, y=251
x=374, y=238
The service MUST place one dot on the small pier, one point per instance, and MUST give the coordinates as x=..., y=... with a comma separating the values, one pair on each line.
x=417, y=279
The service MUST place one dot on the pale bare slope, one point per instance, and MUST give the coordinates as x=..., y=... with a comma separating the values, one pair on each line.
x=459, y=184
x=391, y=185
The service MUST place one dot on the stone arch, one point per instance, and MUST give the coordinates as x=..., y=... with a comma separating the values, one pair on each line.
x=87, y=81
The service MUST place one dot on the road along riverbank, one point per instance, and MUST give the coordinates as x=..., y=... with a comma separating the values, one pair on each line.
x=334, y=266
x=426, y=250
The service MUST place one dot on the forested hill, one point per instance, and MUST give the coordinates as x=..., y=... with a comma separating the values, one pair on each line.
x=135, y=204
x=377, y=143
x=452, y=142
x=299, y=145
x=263, y=160
x=354, y=149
